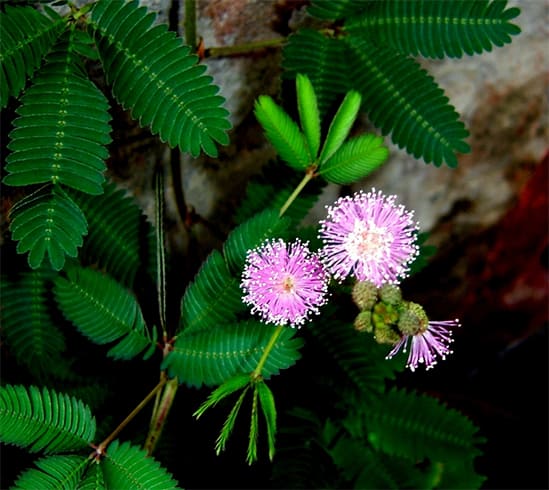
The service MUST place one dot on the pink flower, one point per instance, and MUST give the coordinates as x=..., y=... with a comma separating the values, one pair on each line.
x=284, y=283
x=369, y=236
x=427, y=344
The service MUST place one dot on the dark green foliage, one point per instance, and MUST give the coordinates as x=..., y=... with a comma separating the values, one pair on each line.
x=213, y=298
x=63, y=127
x=59, y=471
x=31, y=335
x=436, y=29
x=48, y=223
x=150, y=69
x=25, y=37
x=324, y=60
x=119, y=237
x=415, y=427
x=104, y=311
x=360, y=358
x=335, y=10
x=128, y=467
x=44, y=420
x=211, y=356
x=403, y=99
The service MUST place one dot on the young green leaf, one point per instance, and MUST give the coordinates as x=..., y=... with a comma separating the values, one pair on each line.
x=308, y=113
x=268, y=408
x=341, y=125
x=355, y=159
x=251, y=456
x=230, y=386
x=229, y=423
x=282, y=132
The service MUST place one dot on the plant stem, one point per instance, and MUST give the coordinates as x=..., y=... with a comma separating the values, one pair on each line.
x=243, y=48
x=160, y=414
x=101, y=448
x=308, y=176
x=190, y=23
x=256, y=374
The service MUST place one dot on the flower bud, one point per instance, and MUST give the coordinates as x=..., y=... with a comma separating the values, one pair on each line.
x=364, y=295
x=363, y=322
x=384, y=315
x=413, y=319
x=390, y=294
x=385, y=334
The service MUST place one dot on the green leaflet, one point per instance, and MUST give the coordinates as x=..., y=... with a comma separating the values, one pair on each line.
x=44, y=420
x=25, y=37
x=416, y=427
x=403, y=99
x=283, y=133
x=308, y=114
x=267, y=403
x=63, y=128
x=104, y=311
x=435, y=28
x=341, y=9
x=355, y=159
x=48, y=223
x=32, y=337
x=341, y=125
x=324, y=60
x=211, y=356
x=155, y=75
x=127, y=467
x=59, y=471
x=119, y=238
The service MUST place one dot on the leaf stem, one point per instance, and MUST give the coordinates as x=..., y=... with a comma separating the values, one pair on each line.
x=309, y=174
x=103, y=445
x=245, y=48
x=190, y=23
x=160, y=415
x=256, y=373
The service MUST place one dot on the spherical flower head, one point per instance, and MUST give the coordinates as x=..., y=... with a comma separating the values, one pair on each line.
x=369, y=236
x=427, y=344
x=284, y=283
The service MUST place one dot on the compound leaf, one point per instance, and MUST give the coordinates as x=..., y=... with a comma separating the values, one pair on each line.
x=59, y=471
x=104, y=311
x=158, y=77
x=44, y=420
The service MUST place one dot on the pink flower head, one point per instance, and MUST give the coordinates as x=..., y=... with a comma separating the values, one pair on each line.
x=369, y=236
x=427, y=345
x=283, y=282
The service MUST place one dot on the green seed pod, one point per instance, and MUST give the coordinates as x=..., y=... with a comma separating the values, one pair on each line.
x=363, y=322
x=364, y=295
x=386, y=334
x=413, y=319
x=390, y=294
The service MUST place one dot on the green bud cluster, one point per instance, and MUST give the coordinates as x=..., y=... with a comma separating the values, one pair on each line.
x=385, y=314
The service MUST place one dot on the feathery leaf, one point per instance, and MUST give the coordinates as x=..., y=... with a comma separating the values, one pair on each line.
x=44, y=420
x=155, y=75
x=104, y=311
x=62, y=472
x=48, y=222
x=25, y=37
x=283, y=133
x=308, y=113
x=63, y=127
x=436, y=29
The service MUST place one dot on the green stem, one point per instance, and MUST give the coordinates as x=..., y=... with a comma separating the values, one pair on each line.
x=256, y=374
x=243, y=48
x=103, y=445
x=190, y=23
x=160, y=415
x=308, y=176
